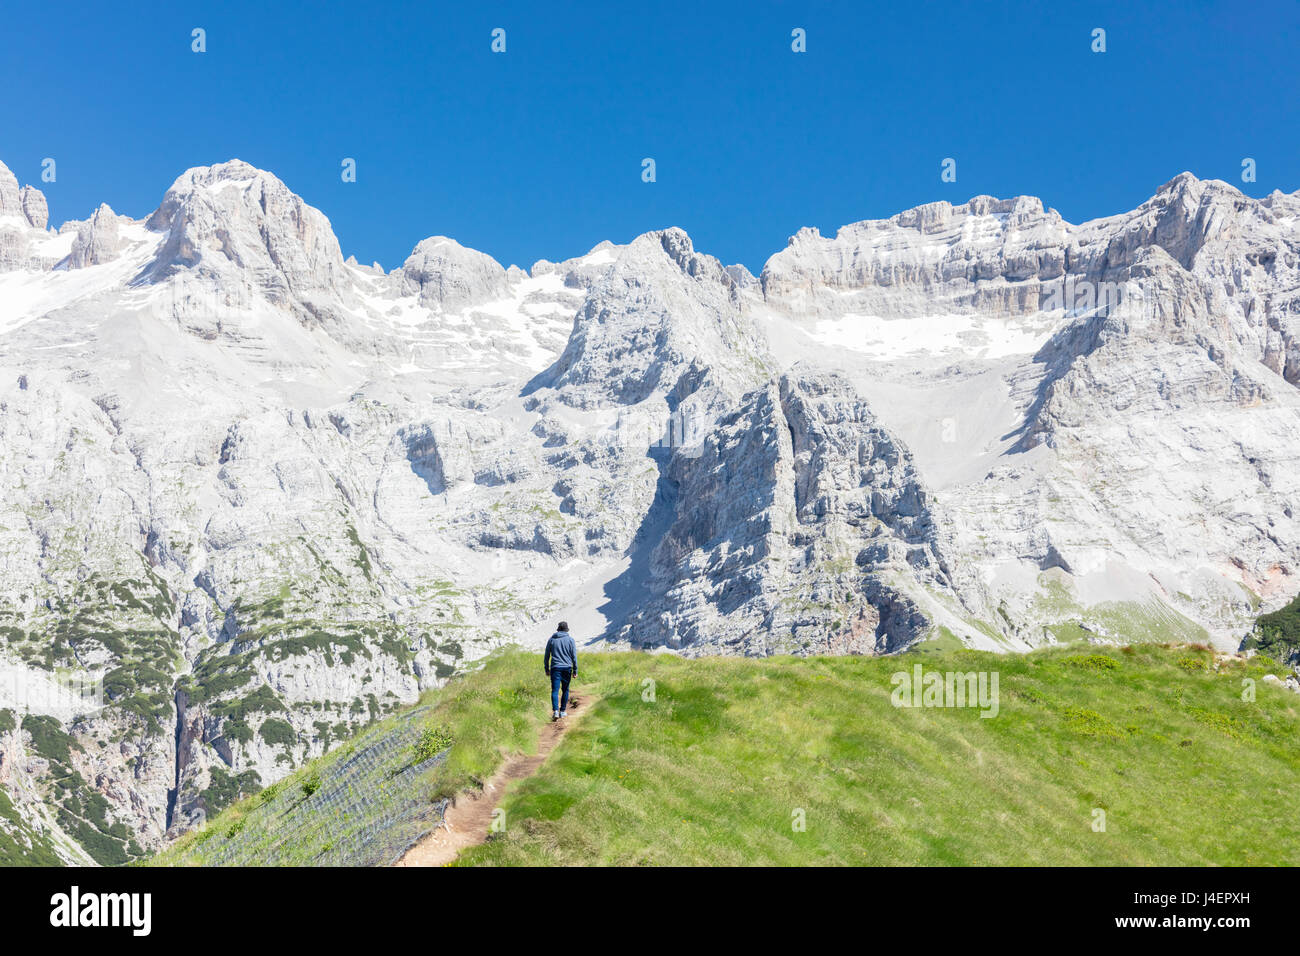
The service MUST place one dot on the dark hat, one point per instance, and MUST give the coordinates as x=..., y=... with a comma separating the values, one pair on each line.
x=564, y=625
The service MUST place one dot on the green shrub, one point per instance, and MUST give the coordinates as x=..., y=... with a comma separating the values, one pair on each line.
x=277, y=732
x=49, y=739
x=1223, y=723
x=1093, y=662
x=1277, y=634
x=311, y=784
x=224, y=788
x=1089, y=723
x=432, y=741
x=235, y=729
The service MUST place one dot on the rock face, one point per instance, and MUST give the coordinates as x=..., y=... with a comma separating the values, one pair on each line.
x=33, y=205
x=240, y=235
x=97, y=240
x=11, y=203
x=23, y=217
x=1113, y=386
x=448, y=277
x=789, y=530
x=259, y=495
x=935, y=257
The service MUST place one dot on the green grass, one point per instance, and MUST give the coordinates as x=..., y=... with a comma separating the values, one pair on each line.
x=1131, y=621
x=714, y=761
x=732, y=752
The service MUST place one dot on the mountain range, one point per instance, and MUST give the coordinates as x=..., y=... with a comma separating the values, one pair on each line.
x=262, y=494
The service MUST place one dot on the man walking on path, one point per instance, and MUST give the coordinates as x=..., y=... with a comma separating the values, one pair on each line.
x=561, y=664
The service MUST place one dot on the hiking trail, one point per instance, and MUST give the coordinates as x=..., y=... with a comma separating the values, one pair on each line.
x=467, y=819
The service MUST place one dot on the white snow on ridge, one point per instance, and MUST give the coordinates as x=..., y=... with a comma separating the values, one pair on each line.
x=972, y=336
x=528, y=326
x=25, y=296
x=224, y=184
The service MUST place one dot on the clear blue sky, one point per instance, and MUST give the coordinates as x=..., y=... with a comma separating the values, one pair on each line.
x=537, y=152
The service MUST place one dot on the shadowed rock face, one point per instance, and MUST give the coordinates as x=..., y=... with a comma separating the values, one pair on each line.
x=267, y=494
x=789, y=529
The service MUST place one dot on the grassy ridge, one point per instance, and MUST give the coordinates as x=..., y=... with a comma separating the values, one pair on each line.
x=715, y=770
x=714, y=760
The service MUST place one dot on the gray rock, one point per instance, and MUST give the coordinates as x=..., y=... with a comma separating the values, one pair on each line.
x=34, y=206
x=790, y=532
x=98, y=240
x=449, y=277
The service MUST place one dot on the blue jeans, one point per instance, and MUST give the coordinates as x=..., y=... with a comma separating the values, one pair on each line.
x=560, y=677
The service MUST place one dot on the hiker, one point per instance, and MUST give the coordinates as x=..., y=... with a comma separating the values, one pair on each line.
x=561, y=665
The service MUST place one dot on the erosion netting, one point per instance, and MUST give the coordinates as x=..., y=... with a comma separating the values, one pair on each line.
x=366, y=808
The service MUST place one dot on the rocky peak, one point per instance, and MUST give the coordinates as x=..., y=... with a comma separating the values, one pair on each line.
x=582, y=271
x=659, y=321
x=449, y=277
x=678, y=247
x=98, y=239
x=1183, y=216
x=10, y=196
x=741, y=276
x=23, y=217
x=240, y=223
x=34, y=206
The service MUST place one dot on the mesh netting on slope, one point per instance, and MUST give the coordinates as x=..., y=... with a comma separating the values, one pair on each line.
x=370, y=808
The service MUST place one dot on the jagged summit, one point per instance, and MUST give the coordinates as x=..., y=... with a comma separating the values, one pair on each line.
x=659, y=320
x=26, y=203
x=234, y=217
x=1188, y=181
x=24, y=216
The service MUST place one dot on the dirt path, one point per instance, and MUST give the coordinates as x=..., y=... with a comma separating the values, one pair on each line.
x=468, y=818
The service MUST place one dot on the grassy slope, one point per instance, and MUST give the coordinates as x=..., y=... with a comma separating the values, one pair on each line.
x=490, y=711
x=714, y=768
x=20, y=845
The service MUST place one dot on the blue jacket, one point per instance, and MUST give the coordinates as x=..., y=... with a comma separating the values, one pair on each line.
x=561, y=652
